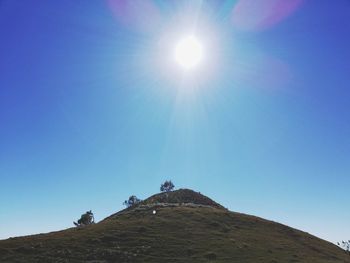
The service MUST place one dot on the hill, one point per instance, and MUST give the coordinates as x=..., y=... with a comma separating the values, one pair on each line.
x=187, y=227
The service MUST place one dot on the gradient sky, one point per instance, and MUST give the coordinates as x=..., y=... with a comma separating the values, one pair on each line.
x=89, y=116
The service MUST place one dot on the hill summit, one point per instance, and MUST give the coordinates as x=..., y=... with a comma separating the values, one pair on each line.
x=187, y=227
x=182, y=196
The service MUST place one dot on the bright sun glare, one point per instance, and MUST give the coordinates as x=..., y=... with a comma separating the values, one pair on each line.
x=188, y=52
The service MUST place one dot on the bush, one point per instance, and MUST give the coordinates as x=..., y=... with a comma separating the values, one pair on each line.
x=167, y=186
x=133, y=200
x=85, y=219
x=345, y=245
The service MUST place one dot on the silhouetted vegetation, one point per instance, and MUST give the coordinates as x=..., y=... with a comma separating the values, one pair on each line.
x=85, y=219
x=167, y=186
x=345, y=245
x=133, y=200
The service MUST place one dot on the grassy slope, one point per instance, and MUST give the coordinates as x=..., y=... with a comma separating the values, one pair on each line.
x=174, y=234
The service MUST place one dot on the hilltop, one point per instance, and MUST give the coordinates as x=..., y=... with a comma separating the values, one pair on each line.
x=187, y=227
x=181, y=197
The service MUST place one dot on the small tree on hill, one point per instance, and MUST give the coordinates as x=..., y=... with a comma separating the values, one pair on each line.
x=345, y=245
x=133, y=200
x=167, y=186
x=85, y=219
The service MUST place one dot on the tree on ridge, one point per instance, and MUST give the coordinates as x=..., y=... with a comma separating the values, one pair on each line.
x=167, y=186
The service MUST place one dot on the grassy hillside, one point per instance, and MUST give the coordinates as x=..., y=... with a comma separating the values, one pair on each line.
x=184, y=229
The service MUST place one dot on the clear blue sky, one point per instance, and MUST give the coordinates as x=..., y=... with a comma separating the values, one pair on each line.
x=89, y=114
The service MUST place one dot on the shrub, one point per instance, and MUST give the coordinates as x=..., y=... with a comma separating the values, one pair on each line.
x=133, y=200
x=85, y=219
x=345, y=245
x=167, y=186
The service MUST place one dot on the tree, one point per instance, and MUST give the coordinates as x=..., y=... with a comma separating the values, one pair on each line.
x=133, y=200
x=345, y=245
x=167, y=186
x=85, y=219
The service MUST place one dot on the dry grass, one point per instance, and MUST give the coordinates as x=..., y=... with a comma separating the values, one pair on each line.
x=175, y=234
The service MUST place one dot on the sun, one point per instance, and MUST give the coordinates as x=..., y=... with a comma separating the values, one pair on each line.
x=189, y=52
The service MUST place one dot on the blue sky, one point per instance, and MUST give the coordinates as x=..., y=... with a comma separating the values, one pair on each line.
x=90, y=114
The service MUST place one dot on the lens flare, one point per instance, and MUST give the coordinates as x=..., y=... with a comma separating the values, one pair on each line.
x=255, y=15
x=140, y=15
